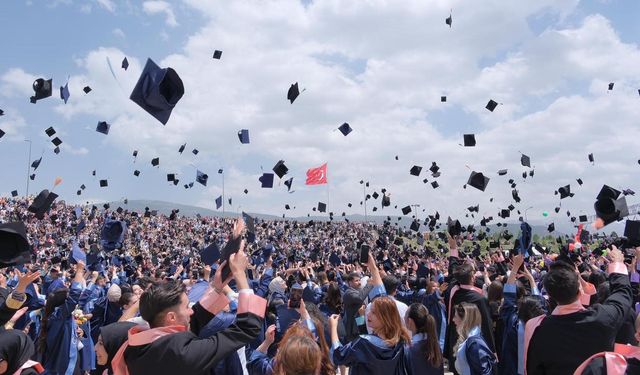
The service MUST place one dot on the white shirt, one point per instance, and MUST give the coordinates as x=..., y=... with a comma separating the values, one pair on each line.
x=402, y=311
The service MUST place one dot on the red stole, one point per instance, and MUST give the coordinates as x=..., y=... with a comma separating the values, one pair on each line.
x=140, y=336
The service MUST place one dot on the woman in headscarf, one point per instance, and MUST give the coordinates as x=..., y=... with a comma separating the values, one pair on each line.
x=15, y=350
x=111, y=338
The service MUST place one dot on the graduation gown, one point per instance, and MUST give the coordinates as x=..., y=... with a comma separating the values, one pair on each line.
x=369, y=355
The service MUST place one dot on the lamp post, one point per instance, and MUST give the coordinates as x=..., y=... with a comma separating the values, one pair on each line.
x=28, y=165
x=221, y=171
x=415, y=209
x=364, y=197
x=525, y=213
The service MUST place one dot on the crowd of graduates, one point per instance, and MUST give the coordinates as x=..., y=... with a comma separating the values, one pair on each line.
x=119, y=292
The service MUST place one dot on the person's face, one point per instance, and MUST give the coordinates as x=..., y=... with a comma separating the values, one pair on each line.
x=137, y=290
x=637, y=333
x=456, y=319
x=101, y=352
x=181, y=315
x=373, y=321
x=355, y=283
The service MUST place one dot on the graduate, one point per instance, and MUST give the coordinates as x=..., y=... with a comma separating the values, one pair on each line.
x=473, y=355
x=111, y=338
x=16, y=349
x=426, y=356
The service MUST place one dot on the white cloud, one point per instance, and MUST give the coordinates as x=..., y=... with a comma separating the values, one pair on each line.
x=107, y=4
x=155, y=7
x=16, y=82
x=119, y=33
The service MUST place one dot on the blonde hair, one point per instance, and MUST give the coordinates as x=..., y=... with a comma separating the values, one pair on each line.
x=470, y=317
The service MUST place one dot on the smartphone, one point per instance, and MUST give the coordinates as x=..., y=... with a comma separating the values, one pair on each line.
x=295, y=297
x=231, y=247
x=364, y=253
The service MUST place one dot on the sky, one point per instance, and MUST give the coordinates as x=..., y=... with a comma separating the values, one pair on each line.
x=380, y=66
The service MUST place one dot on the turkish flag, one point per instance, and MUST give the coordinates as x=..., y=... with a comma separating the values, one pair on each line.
x=317, y=176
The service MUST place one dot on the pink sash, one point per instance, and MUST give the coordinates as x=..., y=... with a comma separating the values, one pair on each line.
x=139, y=336
x=587, y=291
x=30, y=364
x=453, y=293
x=616, y=363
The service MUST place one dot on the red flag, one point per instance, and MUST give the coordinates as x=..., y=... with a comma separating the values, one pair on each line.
x=317, y=176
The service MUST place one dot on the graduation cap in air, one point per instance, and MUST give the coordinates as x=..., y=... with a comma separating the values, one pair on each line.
x=454, y=227
x=386, y=201
x=583, y=218
x=478, y=180
x=474, y=208
x=158, y=91
x=609, y=206
x=415, y=226
x=136, y=173
x=246, y=191
x=181, y=149
x=449, y=20
x=415, y=170
x=280, y=169
x=56, y=141
x=42, y=203
x=579, y=181
x=14, y=245
x=50, y=131
x=104, y=183
x=491, y=105
x=32, y=177
x=287, y=207
x=112, y=234
x=375, y=195
x=406, y=210
x=125, y=63
x=171, y=177
x=201, y=177
x=434, y=169
x=42, y=88
x=293, y=92
x=77, y=254
x=632, y=232
x=626, y=192
x=155, y=162
x=218, y=202
x=36, y=164
x=525, y=161
x=1, y=112
x=345, y=129
x=557, y=209
x=443, y=99
x=611, y=86
x=14, y=193
x=243, y=135
x=469, y=140
x=591, y=159
x=322, y=207
x=195, y=151
x=217, y=54
x=288, y=183
x=266, y=180
x=505, y=213
x=86, y=89
x=434, y=184
x=56, y=150
x=516, y=197
x=103, y=127
x=210, y=254
x=565, y=191
x=64, y=92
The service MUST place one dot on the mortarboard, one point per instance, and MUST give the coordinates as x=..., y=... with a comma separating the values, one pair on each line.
x=626, y=192
x=210, y=254
x=77, y=254
x=386, y=201
x=125, y=63
x=474, y=208
x=158, y=91
x=505, y=213
x=632, y=232
x=14, y=193
x=135, y=153
x=516, y=197
x=2, y=133
x=202, y=177
x=56, y=150
x=42, y=88
x=103, y=127
x=181, y=149
x=155, y=162
x=565, y=191
x=218, y=202
x=280, y=169
x=454, y=227
x=246, y=191
x=104, y=183
x=469, y=140
x=525, y=161
x=50, y=131
x=136, y=173
x=286, y=207
x=195, y=151
x=32, y=177
x=349, y=205
x=345, y=129
x=531, y=173
x=406, y=210
x=56, y=141
x=86, y=89
x=443, y=99
x=293, y=92
x=36, y=164
x=375, y=195
x=579, y=181
x=266, y=180
x=42, y=203
x=591, y=158
x=1, y=112
x=217, y=54
x=14, y=245
x=171, y=177
x=478, y=180
x=243, y=135
x=288, y=183
x=449, y=21
x=322, y=207
x=112, y=234
x=491, y=105
x=415, y=226
x=511, y=207
x=64, y=92
x=609, y=207
x=583, y=218
x=434, y=184
x=415, y=170
x=611, y=86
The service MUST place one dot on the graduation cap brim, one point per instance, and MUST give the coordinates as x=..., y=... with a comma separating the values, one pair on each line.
x=14, y=246
x=157, y=91
x=210, y=254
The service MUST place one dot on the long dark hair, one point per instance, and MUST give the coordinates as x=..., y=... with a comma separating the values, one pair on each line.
x=425, y=323
x=54, y=299
x=333, y=298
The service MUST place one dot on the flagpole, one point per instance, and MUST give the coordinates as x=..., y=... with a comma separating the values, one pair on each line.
x=364, y=197
x=28, y=165
x=223, y=197
x=328, y=208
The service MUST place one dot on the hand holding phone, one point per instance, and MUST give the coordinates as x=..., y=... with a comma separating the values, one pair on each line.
x=295, y=297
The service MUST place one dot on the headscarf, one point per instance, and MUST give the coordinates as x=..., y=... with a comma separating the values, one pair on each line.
x=16, y=348
x=113, y=336
x=277, y=285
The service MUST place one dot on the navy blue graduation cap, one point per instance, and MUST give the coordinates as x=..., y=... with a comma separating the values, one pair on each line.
x=525, y=239
x=195, y=151
x=286, y=317
x=415, y=170
x=77, y=255
x=181, y=149
x=251, y=227
x=56, y=141
x=491, y=105
x=469, y=140
x=14, y=193
x=266, y=180
x=218, y=202
x=345, y=129
x=136, y=173
x=56, y=150
x=2, y=133
x=293, y=92
x=210, y=254
x=158, y=91
x=14, y=245
x=280, y=169
x=36, y=164
x=449, y=21
x=202, y=178
x=125, y=63
x=103, y=127
x=42, y=88
x=525, y=161
x=155, y=162
x=322, y=207
x=86, y=89
x=50, y=131
x=243, y=136
x=288, y=183
x=42, y=203
x=217, y=54
x=112, y=234
x=308, y=295
x=478, y=180
x=64, y=92
x=334, y=259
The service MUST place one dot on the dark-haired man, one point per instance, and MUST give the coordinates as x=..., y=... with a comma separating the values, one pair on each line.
x=352, y=300
x=559, y=343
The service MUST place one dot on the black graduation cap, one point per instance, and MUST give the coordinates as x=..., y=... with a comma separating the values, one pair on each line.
x=64, y=92
x=136, y=173
x=375, y=195
x=525, y=161
x=14, y=245
x=449, y=21
x=425, y=181
x=469, y=140
x=345, y=129
x=218, y=202
x=443, y=99
x=505, y=213
x=125, y=63
x=155, y=162
x=181, y=149
x=246, y=191
x=516, y=197
x=171, y=177
x=201, y=177
x=32, y=177
x=454, y=227
x=293, y=92
x=349, y=205
x=415, y=226
x=104, y=183
x=524, y=174
x=50, y=131
x=565, y=191
x=195, y=151
x=42, y=88
x=611, y=86
x=280, y=169
x=103, y=127
x=579, y=181
x=583, y=218
x=14, y=193
x=287, y=207
x=158, y=91
x=288, y=183
x=609, y=206
x=56, y=150
x=36, y=163
x=491, y=105
x=415, y=170
x=557, y=209
x=386, y=201
x=531, y=173
x=217, y=54
x=474, y=208
x=86, y=89
x=632, y=232
x=322, y=207
x=434, y=184
x=266, y=180
x=478, y=180
x=591, y=158
x=56, y=141
x=2, y=133
x=42, y=203
x=406, y=210
x=511, y=207
x=1, y=112
x=243, y=135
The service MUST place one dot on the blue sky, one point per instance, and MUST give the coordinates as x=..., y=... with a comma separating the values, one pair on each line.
x=377, y=66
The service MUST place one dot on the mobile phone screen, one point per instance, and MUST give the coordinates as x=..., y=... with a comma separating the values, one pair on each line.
x=295, y=297
x=364, y=253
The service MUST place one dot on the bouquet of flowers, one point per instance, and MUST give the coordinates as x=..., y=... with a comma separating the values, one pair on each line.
x=80, y=317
